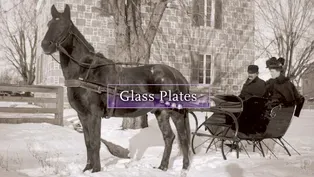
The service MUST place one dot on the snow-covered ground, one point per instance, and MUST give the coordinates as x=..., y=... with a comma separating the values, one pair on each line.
x=47, y=150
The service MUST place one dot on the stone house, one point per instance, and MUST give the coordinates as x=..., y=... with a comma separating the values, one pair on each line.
x=308, y=88
x=209, y=41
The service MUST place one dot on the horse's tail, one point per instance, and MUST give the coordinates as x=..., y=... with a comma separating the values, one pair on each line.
x=116, y=150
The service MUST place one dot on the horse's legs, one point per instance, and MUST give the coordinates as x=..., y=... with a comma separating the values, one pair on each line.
x=94, y=127
x=96, y=144
x=168, y=136
x=181, y=122
x=89, y=163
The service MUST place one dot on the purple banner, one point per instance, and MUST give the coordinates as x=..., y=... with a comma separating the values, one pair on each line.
x=131, y=96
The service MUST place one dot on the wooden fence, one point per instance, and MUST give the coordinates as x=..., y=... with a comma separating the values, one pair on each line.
x=57, y=118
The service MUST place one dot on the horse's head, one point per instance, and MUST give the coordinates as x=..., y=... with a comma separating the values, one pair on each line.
x=58, y=29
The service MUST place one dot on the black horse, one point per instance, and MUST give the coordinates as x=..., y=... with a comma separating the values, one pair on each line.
x=78, y=60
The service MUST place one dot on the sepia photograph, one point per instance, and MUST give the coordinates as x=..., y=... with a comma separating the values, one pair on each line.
x=156, y=88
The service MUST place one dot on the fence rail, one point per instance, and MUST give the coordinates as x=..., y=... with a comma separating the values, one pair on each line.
x=58, y=91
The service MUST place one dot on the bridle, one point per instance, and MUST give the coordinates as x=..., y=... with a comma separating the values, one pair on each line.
x=69, y=33
x=99, y=88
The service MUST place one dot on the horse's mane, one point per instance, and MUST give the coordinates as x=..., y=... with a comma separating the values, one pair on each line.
x=98, y=54
x=90, y=47
x=80, y=35
x=102, y=56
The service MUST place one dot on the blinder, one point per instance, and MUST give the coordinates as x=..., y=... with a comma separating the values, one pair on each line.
x=68, y=33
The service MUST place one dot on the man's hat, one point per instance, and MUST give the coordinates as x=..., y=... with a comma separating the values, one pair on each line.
x=274, y=63
x=252, y=69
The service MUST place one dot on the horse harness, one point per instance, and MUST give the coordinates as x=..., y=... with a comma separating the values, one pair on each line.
x=82, y=83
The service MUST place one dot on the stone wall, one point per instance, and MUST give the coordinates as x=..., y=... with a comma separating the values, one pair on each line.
x=308, y=85
x=308, y=89
x=231, y=47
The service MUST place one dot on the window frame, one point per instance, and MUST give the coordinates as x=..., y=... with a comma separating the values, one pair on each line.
x=202, y=70
x=55, y=80
x=213, y=15
x=205, y=69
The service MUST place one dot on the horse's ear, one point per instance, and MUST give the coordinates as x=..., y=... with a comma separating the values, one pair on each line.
x=67, y=12
x=54, y=11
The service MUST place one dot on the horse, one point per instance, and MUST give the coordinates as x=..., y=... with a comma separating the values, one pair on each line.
x=79, y=60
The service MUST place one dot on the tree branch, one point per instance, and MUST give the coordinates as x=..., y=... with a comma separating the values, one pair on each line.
x=20, y=32
x=155, y=18
x=290, y=22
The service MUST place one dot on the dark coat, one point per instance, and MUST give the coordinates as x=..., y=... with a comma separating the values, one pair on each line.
x=282, y=90
x=255, y=87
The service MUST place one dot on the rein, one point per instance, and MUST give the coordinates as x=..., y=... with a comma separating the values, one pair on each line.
x=98, y=88
x=82, y=64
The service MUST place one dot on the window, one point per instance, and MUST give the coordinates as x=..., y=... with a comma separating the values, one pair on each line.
x=55, y=79
x=207, y=13
x=202, y=69
x=55, y=65
x=106, y=9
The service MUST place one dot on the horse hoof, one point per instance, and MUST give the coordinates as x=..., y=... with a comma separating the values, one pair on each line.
x=163, y=168
x=95, y=170
x=185, y=165
x=87, y=167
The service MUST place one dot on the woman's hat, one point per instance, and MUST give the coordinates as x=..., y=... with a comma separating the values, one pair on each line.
x=274, y=63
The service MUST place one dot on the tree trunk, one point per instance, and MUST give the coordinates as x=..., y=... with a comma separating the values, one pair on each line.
x=133, y=43
x=135, y=122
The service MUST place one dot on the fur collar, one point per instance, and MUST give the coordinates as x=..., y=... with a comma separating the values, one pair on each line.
x=279, y=80
x=252, y=81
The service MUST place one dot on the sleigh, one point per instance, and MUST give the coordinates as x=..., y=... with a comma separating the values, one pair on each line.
x=234, y=122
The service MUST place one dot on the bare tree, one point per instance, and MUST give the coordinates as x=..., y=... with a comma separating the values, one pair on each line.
x=133, y=41
x=19, y=32
x=7, y=76
x=285, y=29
